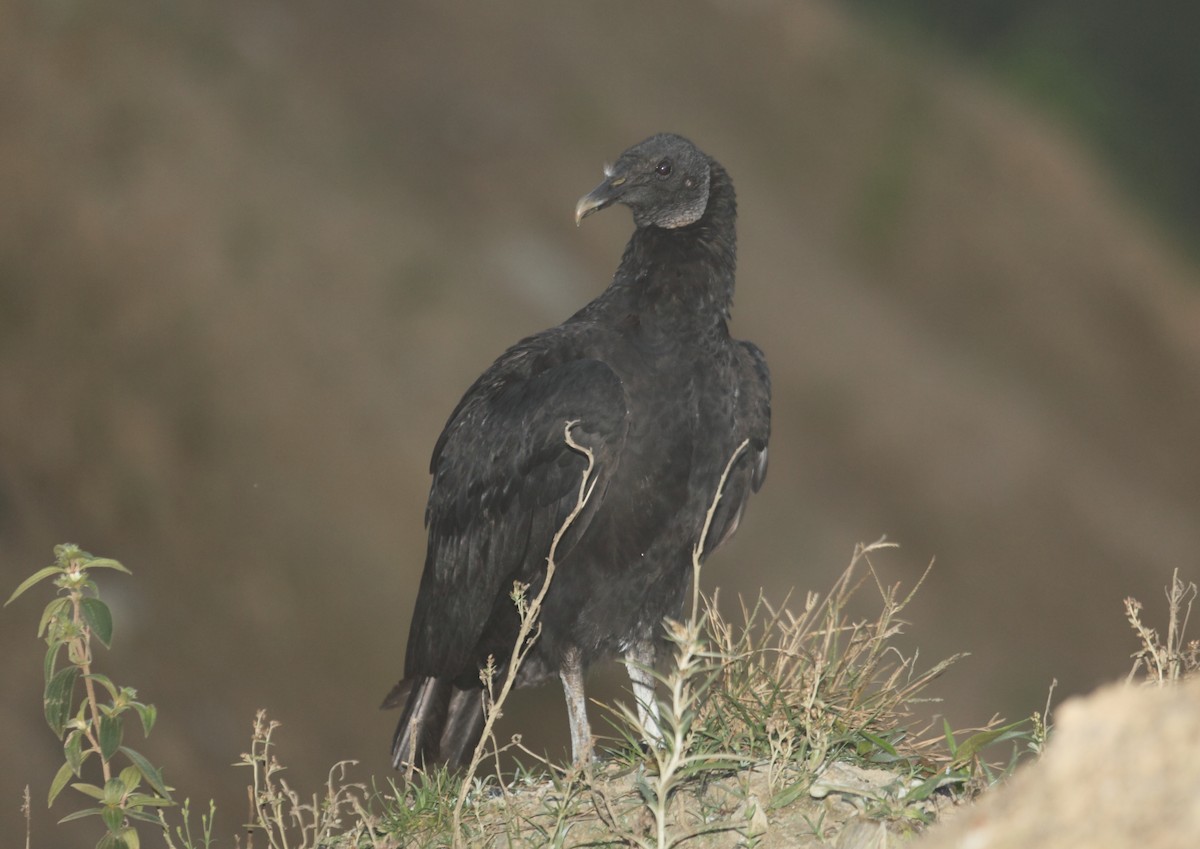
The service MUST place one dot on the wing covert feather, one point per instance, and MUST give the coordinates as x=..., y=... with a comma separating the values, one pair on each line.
x=752, y=422
x=504, y=480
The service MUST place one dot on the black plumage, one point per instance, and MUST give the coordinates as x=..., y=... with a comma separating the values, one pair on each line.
x=661, y=396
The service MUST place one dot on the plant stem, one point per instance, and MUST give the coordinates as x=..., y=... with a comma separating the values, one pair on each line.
x=81, y=648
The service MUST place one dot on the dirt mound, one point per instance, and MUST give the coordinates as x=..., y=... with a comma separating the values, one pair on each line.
x=1122, y=770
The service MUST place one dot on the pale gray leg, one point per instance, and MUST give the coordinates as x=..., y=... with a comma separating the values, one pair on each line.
x=639, y=661
x=581, y=734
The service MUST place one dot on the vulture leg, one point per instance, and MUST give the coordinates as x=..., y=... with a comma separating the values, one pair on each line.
x=639, y=661
x=581, y=734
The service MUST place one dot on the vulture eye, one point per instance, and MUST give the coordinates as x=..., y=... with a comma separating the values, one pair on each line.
x=663, y=168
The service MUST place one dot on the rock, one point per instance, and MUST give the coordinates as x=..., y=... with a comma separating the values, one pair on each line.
x=754, y=815
x=863, y=833
x=850, y=780
x=1121, y=771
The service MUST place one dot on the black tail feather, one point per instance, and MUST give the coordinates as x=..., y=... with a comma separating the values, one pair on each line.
x=439, y=723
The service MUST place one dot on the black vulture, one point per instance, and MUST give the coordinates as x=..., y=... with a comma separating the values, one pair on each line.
x=651, y=383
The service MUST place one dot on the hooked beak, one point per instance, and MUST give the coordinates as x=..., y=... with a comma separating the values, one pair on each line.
x=604, y=195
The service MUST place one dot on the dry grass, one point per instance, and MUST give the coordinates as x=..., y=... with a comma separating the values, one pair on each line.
x=802, y=687
x=760, y=713
x=1160, y=661
x=755, y=711
x=280, y=815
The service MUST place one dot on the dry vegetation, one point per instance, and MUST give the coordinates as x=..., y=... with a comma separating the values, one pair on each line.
x=779, y=729
x=1165, y=661
x=793, y=730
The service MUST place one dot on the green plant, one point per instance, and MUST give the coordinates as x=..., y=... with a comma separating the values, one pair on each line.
x=92, y=726
x=678, y=758
x=421, y=812
x=184, y=832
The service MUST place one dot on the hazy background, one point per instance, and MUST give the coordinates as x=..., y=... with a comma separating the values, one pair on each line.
x=251, y=253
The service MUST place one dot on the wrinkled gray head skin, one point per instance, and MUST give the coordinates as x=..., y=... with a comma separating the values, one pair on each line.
x=663, y=180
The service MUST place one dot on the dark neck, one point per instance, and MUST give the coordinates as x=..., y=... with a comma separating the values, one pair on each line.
x=692, y=266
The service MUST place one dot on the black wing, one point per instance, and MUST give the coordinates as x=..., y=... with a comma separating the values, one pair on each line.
x=504, y=481
x=752, y=422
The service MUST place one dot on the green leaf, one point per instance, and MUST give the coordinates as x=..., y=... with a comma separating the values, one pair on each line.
x=976, y=742
x=131, y=837
x=89, y=790
x=111, y=729
x=148, y=714
x=36, y=577
x=50, y=662
x=57, y=700
x=60, y=781
x=143, y=800
x=879, y=742
x=73, y=749
x=99, y=618
x=106, y=683
x=106, y=563
x=114, y=818
x=112, y=841
x=131, y=777
x=925, y=789
x=142, y=816
x=53, y=610
x=81, y=721
x=950, y=742
x=114, y=791
x=149, y=772
x=78, y=815
x=788, y=795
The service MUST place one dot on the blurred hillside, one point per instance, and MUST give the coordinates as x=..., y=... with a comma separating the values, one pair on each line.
x=251, y=253
x=1125, y=76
